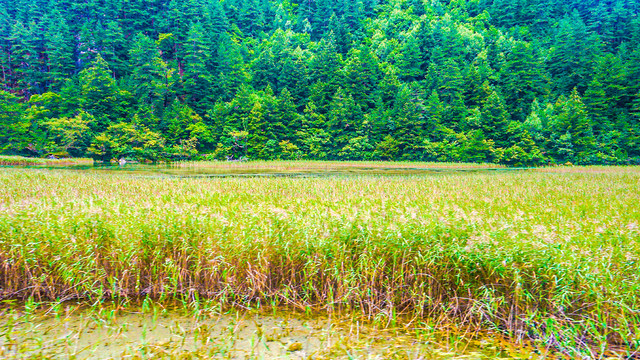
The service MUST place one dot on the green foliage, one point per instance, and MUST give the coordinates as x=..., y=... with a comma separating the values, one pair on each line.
x=70, y=133
x=332, y=79
x=13, y=127
x=132, y=141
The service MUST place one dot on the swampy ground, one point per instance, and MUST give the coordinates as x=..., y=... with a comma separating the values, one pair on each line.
x=161, y=331
x=343, y=260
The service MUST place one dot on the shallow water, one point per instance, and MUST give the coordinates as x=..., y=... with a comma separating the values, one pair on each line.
x=272, y=169
x=106, y=333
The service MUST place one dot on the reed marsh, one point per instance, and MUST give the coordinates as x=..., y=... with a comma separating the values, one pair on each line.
x=550, y=258
x=9, y=160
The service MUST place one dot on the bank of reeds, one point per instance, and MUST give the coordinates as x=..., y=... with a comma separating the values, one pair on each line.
x=310, y=165
x=553, y=258
x=9, y=160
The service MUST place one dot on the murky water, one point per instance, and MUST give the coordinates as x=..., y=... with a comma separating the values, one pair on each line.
x=107, y=333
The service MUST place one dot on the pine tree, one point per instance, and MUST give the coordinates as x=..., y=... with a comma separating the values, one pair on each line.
x=595, y=100
x=256, y=128
x=99, y=94
x=148, y=71
x=5, y=46
x=418, y=7
x=521, y=79
x=286, y=115
x=409, y=112
x=196, y=77
x=574, y=53
x=341, y=34
x=410, y=59
x=230, y=71
x=572, y=119
x=473, y=87
x=59, y=50
x=325, y=62
x=25, y=65
x=86, y=45
x=13, y=127
x=343, y=119
x=251, y=20
x=495, y=120
x=217, y=22
x=433, y=115
x=294, y=77
x=176, y=20
x=324, y=69
x=361, y=76
x=631, y=140
x=451, y=81
x=265, y=71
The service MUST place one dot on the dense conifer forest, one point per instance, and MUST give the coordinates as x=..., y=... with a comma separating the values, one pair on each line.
x=516, y=82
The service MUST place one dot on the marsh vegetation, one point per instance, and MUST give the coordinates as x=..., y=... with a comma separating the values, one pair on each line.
x=544, y=257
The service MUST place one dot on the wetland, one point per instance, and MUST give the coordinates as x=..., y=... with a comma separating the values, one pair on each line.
x=368, y=260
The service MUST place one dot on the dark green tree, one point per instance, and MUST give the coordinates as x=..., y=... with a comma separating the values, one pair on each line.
x=59, y=50
x=495, y=119
x=196, y=76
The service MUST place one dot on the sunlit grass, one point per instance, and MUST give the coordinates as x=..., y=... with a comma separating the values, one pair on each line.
x=549, y=257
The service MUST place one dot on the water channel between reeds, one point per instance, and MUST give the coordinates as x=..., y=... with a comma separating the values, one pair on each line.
x=277, y=169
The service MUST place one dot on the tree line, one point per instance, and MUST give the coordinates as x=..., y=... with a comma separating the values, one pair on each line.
x=517, y=82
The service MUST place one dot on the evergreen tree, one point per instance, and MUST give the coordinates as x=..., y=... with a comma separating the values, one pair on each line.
x=197, y=80
x=60, y=49
x=433, y=115
x=495, y=120
x=361, y=76
x=13, y=128
x=294, y=77
x=100, y=95
x=230, y=71
x=149, y=72
x=113, y=48
x=572, y=120
x=574, y=53
x=340, y=32
x=217, y=22
x=25, y=65
x=595, y=100
x=343, y=119
x=410, y=59
x=522, y=79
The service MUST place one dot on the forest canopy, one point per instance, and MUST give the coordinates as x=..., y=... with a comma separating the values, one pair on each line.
x=516, y=82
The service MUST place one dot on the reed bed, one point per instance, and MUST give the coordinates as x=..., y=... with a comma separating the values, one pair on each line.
x=551, y=258
x=302, y=165
x=8, y=160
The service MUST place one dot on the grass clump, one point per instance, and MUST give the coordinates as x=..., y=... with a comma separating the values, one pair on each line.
x=550, y=258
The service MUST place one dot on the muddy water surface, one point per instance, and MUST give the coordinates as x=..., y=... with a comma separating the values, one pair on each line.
x=86, y=333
